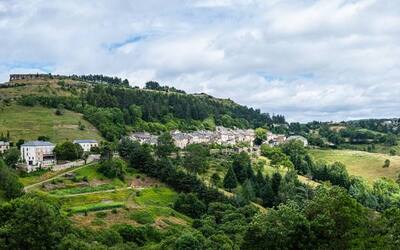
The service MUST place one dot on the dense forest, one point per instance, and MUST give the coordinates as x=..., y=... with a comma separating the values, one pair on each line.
x=116, y=109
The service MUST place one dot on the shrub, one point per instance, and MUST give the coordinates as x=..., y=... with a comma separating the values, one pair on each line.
x=142, y=217
x=113, y=168
x=101, y=214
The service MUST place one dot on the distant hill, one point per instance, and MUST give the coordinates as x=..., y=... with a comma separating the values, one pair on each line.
x=115, y=108
x=29, y=123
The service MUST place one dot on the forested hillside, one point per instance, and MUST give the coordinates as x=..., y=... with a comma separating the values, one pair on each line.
x=116, y=109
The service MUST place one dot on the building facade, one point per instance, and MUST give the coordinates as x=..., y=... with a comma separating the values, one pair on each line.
x=37, y=154
x=87, y=145
x=4, y=146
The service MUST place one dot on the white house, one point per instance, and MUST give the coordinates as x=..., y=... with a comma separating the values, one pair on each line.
x=37, y=154
x=4, y=146
x=87, y=145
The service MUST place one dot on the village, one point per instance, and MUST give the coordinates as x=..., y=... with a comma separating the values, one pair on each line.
x=38, y=154
x=221, y=136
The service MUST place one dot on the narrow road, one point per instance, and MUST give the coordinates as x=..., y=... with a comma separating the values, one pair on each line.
x=27, y=188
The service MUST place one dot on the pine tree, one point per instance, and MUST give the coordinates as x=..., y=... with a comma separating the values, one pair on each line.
x=248, y=190
x=230, y=180
x=267, y=195
x=275, y=182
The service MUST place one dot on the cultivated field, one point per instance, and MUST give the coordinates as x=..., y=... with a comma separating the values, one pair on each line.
x=359, y=163
x=102, y=202
x=30, y=122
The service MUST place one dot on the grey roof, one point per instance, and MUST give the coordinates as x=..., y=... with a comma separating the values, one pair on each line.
x=85, y=141
x=37, y=143
x=4, y=143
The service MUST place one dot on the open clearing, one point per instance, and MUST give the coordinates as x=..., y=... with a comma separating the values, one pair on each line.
x=30, y=122
x=359, y=163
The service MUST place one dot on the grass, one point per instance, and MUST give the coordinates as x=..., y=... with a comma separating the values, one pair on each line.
x=161, y=196
x=142, y=217
x=90, y=172
x=364, y=164
x=95, y=207
x=81, y=190
x=42, y=175
x=30, y=122
x=86, y=199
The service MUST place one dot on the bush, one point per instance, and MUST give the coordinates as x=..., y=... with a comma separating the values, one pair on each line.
x=113, y=168
x=101, y=214
x=68, y=151
x=142, y=217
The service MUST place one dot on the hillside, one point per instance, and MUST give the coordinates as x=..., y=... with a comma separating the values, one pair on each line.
x=30, y=122
x=364, y=164
x=116, y=109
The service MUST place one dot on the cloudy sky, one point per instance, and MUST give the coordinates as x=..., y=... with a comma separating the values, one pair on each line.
x=323, y=60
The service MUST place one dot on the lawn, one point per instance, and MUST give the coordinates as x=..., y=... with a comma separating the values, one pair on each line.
x=89, y=199
x=161, y=196
x=30, y=122
x=359, y=163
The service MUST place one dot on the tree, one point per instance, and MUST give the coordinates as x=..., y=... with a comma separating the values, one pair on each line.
x=242, y=166
x=230, y=181
x=336, y=219
x=190, y=205
x=29, y=221
x=276, y=182
x=165, y=145
x=153, y=85
x=106, y=151
x=261, y=136
x=9, y=182
x=392, y=152
x=135, y=112
x=109, y=237
x=125, y=82
x=60, y=110
x=386, y=164
x=11, y=157
x=267, y=195
x=247, y=191
x=85, y=156
x=19, y=143
x=195, y=160
x=68, y=151
x=282, y=228
x=113, y=168
x=43, y=138
x=190, y=241
x=215, y=180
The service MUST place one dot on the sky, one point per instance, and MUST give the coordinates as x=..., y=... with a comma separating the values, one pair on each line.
x=309, y=60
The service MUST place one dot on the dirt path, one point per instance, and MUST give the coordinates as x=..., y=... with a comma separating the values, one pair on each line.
x=27, y=188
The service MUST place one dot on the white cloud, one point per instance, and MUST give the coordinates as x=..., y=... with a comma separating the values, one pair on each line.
x=328, y=60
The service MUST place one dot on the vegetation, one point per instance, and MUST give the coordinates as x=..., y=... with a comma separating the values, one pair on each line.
x=30, y=122
x=113, y=168
x=364, y=164
x=68, y=151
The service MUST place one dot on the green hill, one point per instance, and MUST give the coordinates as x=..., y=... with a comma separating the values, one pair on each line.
x=30, y=122
x=364, y=164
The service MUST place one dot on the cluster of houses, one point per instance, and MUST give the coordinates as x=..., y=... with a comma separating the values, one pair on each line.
x=222, y=136
x=40, y=154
